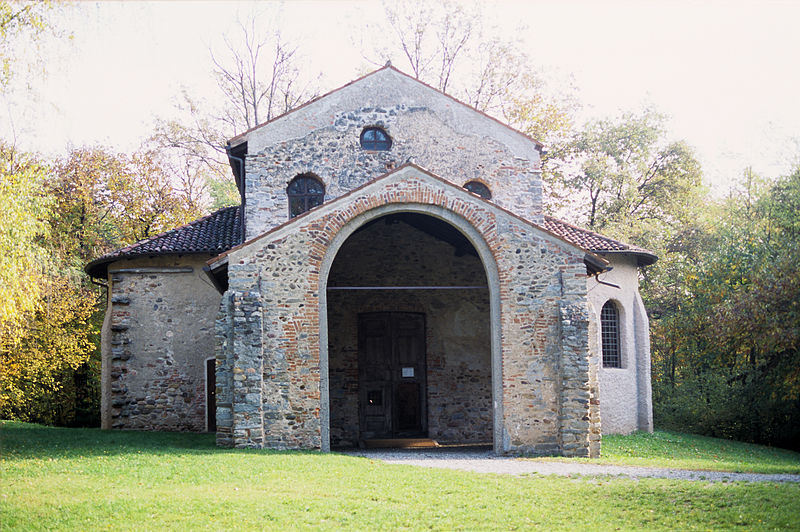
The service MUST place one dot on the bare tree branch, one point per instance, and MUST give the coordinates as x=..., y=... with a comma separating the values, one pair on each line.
x=257, y=78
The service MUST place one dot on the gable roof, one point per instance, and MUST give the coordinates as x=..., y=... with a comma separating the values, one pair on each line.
x=582, y=238
x=243, y=137
x=212, y=234
x=220, y=231
x=393, y=174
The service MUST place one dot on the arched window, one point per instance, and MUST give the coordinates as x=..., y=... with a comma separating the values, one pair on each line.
x=609, y=329
x=305, y=192
x=375, y=139
x=476, y=187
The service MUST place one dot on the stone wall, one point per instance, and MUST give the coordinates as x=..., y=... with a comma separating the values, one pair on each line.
x=239, y=371
x=531, y=275
x=224, y=350
x=545, y=352
x=424, y=133
x=160, y=322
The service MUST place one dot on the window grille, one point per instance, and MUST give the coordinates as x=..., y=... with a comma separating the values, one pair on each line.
x=375, y=139
x=476, y=187
x=305, y=192
x=609, y=328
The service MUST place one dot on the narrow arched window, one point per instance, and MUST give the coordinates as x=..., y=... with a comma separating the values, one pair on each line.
x=305, y=192
x=375, y=139
x=609, y=329
x=476, y=187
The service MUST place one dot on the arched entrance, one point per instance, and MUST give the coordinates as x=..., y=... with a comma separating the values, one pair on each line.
x=409, y=330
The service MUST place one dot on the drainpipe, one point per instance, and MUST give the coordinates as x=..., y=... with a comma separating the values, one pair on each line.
x=597, y=278
x=241, y=175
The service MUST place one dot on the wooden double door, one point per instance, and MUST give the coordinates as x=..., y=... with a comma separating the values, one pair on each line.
x=391, y=372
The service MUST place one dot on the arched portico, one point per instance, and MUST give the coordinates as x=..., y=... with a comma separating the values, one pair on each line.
x=274, y=331
x=492, y=283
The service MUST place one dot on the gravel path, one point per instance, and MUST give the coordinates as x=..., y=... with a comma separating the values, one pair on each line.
x=483, y=460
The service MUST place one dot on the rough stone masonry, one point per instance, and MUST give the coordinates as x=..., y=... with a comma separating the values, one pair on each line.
x=261, y=342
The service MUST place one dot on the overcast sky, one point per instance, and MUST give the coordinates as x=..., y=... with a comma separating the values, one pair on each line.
x=725, y=72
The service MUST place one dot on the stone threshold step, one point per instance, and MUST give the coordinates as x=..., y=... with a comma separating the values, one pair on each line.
x=401, y=443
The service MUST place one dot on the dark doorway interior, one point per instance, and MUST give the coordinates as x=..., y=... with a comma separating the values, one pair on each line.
x=410, y=279
x=392, y=372
x=211, y=395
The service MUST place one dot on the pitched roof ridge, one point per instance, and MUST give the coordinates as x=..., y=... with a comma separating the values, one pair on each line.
x=208, y=234
x=646, y=256
x=304, y=104
x=388, y=66
x=539, y=144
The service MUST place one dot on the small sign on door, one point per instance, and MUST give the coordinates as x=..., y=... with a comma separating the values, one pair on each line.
x=408, y=372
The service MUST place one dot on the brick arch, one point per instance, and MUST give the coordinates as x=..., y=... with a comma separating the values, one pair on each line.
x=368, y=211
x=526, y=268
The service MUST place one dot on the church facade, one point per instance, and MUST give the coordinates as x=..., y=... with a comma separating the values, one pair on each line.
x=389, y=274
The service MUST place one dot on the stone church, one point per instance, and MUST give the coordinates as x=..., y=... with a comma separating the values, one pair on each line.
x=389, y=274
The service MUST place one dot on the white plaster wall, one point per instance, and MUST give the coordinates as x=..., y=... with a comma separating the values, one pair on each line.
x=625, y=394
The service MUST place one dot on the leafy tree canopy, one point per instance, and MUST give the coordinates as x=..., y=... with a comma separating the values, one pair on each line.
x=55, y=217
x=622, y=176
x=18, y=21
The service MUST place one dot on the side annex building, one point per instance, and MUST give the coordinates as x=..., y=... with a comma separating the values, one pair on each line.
x=390, y=273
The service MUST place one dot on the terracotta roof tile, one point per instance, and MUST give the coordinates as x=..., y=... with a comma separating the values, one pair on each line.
x=220, y=231
x=595, y=242
x=215, y=233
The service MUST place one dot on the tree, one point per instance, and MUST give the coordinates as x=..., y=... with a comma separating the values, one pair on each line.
x=431, y=37
x=257, y=80
x=446, y=45
x=726, y=353
x=44, y=311
x=106, y=200
x=528, y=106
x=621, y=175
x=24, y=209
x=40, y=358
x=223, y=193
x=19, y=20
x=55, y=218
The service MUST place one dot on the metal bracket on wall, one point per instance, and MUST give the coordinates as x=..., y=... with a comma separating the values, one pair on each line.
x=153, y=270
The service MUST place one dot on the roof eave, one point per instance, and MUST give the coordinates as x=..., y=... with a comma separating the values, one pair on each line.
x=98, y=268
x=595, y=264
x=643, y=257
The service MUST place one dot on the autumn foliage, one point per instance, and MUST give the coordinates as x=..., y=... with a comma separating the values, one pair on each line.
x=724, y=296
x=55, y=216
x=726, y=319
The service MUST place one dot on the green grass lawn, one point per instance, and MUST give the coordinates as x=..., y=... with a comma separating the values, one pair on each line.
x=687, y=451
x=89, y=479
